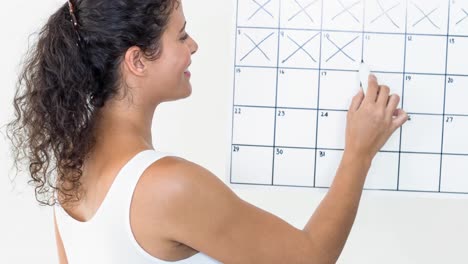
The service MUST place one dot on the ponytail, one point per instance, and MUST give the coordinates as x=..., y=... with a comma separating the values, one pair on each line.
x=53, y=114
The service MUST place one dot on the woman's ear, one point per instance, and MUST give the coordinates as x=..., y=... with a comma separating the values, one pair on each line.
x=134, y=61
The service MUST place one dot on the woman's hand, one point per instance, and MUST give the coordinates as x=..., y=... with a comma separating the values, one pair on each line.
x=372, y=119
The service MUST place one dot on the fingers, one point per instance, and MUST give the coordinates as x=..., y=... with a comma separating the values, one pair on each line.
x=393, y=102
x=383, y=94
x=400, y=118
x=372, y=89
x=357, y=100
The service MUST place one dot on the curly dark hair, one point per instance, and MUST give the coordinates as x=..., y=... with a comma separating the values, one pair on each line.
x=69, y=74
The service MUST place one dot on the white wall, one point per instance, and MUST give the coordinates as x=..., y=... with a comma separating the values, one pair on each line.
x=390, y=228
x=26, y=230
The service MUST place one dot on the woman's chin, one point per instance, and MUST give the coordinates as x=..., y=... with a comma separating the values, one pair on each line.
x=187, y=92
x=182, y=94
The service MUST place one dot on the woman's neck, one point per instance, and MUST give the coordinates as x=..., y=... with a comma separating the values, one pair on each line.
x=121, y=119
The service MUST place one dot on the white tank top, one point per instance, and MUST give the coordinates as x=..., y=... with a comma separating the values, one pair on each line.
x=107, y=238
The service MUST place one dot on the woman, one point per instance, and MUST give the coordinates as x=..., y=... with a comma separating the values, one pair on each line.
x=84, y=108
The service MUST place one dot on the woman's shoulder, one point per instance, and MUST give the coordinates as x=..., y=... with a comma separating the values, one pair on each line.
x=170, y=195
x=172, y=186
x=175, y=176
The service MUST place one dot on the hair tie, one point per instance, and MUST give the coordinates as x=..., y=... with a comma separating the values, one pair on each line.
x=72, y=14
x=71, y=8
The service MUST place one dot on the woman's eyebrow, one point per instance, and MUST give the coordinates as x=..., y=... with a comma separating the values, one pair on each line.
x=183, y=28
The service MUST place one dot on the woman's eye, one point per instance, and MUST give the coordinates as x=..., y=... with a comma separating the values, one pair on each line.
x=185, y=37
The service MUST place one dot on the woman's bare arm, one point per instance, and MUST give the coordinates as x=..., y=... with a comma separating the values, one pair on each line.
x=195, y=208
x=371, y=121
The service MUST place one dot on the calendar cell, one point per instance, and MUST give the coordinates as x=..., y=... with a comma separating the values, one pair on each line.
x=457, y=87
x=455, y=135
x=257, y=47
x=331, y=129
x=459, y=18
x=327, y=164
x=252, y=165
x=454, y=174
x=419, y=172
x=294, y=167
x=428, y=17
x=258, y=13
x=345, y=15
x=389, y=59
x=337, y=89
x=251, y=93
x=457, y=59
x=297, y=88
x=385, y=16
x=253, y=126
x=424, y=94
x=301, y=14
x=383, y=174
x=426, y=54
x=296, y=128
x=341, y=50
x=299, y=49
x=422, y=133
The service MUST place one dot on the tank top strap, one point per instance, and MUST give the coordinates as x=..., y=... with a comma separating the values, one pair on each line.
x=121, y=193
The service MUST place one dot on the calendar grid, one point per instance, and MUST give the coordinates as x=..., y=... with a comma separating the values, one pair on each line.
x=347, y=70
x=353, y=31
x=255, y=63
x=402, y=93
x=318, y=99
x=445, y=94
x=233, y=93
x=337, y=149
x=345, y=110
x=363, y=29
x=276, y=97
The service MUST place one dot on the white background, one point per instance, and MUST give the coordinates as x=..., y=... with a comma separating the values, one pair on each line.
x=402, y=228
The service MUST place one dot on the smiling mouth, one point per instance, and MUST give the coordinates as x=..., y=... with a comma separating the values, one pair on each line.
x=187, y=71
